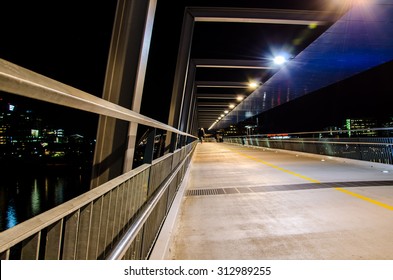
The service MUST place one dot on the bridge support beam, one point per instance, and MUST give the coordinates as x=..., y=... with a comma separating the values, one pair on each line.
x=124, y=82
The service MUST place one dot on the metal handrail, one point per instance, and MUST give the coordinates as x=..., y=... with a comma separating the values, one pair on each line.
x=331, y=142
x=315, y=132
x=123, y=244
x=16, y=234
x=18, y=80
x=361, y=147
x=321, y=140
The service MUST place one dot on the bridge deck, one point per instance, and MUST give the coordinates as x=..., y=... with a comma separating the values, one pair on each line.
x=247, y=203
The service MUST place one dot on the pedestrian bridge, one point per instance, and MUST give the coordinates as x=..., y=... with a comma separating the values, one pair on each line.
x=222, y=201
x=326, y=195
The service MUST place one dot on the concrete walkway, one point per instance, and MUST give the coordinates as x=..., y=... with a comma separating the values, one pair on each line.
x=248, y=203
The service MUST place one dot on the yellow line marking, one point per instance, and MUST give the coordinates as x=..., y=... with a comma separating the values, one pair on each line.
x=373, y=201
x=279, y=168
x=362, y=197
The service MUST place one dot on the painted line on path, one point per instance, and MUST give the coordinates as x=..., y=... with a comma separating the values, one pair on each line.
x=342, y=190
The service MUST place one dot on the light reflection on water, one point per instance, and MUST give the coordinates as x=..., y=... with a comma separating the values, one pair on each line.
x=11, y=215
x=35, y=199
x=23, y=197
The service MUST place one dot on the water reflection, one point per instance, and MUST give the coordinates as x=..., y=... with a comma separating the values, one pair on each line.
x=59, y=190
x=11, y=215
x=35, y=199
x=23, y=197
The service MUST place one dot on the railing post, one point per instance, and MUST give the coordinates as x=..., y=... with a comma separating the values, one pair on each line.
x=149, y=149
x=182, y=141
x=173, y=145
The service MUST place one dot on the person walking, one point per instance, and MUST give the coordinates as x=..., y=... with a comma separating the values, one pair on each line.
x=201, y=134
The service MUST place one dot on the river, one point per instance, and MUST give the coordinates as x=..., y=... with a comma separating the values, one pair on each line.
x=24, y=195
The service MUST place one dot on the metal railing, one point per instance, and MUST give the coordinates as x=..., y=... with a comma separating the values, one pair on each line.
x=340, y=143
x=119, y=219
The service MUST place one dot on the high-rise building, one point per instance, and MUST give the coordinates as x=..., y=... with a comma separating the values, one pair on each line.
x=361, y=127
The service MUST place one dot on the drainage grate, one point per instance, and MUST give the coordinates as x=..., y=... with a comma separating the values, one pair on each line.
x=275, y=188
x=200, y=192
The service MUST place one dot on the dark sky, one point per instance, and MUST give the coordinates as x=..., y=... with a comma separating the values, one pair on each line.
x=64, y=40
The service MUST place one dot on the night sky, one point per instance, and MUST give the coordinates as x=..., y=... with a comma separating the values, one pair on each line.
x=64, y=40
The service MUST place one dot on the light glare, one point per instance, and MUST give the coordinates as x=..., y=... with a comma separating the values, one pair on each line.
x=279, y=60
x=253, y=85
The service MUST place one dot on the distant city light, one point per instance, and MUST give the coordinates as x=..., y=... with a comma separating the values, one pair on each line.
x=279, y=60
x=11, y=107
x=313, y=25
x=35, y=133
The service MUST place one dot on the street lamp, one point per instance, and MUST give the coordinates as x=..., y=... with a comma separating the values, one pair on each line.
x=279, y=60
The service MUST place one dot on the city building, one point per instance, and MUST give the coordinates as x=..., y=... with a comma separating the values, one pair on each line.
x=28, y=138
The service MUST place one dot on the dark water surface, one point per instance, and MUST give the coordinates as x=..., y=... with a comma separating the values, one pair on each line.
x=25, y=194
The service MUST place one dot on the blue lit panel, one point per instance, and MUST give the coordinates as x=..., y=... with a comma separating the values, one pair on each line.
x=360, y=40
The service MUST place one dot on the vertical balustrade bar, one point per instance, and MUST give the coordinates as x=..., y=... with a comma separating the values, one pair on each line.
x=103, y=240
x=71, y=236
x=171, y=194
x=125, y=207
x=119, y=205
x=95, y=228
x=130, y=193
x=149, y=148
x=5, y=255
x=53, y=241
x=135, y=182
x=145, y=230
x=31, y=247
x=112, y=219
x=84, y=232
x=142, y=197
x=132, y=198
x=138, y=247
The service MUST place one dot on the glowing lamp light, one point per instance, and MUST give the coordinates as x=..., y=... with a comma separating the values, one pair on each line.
x=279, y=60
x=239, y=98
x=253, y=85
x=231, y=106
x=222, y=115
x=226, y=112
